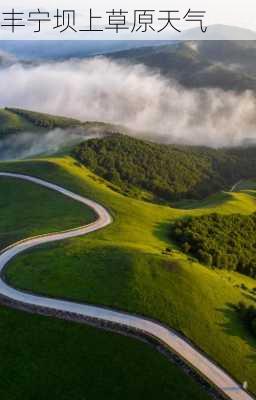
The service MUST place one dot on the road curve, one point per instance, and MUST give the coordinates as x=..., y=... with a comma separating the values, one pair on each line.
x=233, y=188
x=214, y=374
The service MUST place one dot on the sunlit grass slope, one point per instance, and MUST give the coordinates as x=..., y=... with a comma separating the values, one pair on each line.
x=46, y=358
x=123, y=266
x=28, y=209
x=13, y=123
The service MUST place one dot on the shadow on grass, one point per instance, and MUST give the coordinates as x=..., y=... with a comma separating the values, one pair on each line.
x=235, y=327
x=249, y=297
x=163, y=231
x=211, y=201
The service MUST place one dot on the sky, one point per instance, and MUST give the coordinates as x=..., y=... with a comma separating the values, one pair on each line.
x=240, y=13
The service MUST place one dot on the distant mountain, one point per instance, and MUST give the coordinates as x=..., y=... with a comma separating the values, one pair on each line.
x=223, y=64
x=65, y=49
x=219, y=32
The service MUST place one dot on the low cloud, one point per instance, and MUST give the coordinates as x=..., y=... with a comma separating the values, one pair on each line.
x=103, y=90
x=23, y=145
x=6, y=59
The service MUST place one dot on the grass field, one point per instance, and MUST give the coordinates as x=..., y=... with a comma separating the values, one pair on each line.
x=86, y=363
x=123, y=266
x=12, y=123
x=51, y=211
x=44, y=358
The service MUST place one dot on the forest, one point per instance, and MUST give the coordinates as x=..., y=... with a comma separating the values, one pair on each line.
x=168, y=172
x=219, y=241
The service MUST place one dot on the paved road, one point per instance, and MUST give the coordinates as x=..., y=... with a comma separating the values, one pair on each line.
x=178, y=344
x=235, y=185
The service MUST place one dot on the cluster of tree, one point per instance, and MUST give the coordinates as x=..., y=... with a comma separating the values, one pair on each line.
x=45, y=120
x=221, y=241
x=248, y=315
x=169, y=172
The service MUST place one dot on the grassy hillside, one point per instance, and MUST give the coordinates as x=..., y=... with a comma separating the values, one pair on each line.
x=126, y=266
x=46, y=121
x=165, y=171
x=13, y=123
x=16, y=120
x=44, y=358
x=229, y=65
x=30, y=348
x=50, y=212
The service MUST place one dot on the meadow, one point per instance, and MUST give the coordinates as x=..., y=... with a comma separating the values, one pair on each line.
x=32, y=210
x=68, y=360
x=125, y=266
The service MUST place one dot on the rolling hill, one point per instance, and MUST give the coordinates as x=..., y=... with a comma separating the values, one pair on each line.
x=126, y=266
x=220, y=32
x=135, y=264
x=25, y=133
x=31, y=349
x=66, y=49
x=16, y=120
x=13, y=123
x=134, y=166
x=165, y=171
x=229, y=65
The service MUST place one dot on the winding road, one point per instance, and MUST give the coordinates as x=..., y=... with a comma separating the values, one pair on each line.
x=233, y=188
x=194, y=358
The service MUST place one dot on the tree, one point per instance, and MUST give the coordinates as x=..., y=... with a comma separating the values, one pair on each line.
x=223, y=241
x=186, y=247
x=205, y=258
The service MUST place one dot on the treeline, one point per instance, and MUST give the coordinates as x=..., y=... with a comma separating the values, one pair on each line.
x=169, y=172
x=45, y=120
x=248, y=316
x=221, y=241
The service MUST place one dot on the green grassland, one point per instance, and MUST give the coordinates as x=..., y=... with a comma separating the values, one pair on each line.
x=51, y=209
x=86, y=363
x=17, y=120
x=13, y=123
x=124, y=266
x=43, y=120
x=50, y=121
x=44, y=358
